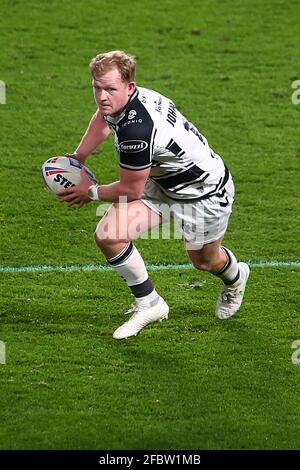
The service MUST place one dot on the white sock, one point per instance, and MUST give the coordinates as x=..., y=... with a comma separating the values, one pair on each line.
x=148, y=300
x=230, y=272
x=131, y=267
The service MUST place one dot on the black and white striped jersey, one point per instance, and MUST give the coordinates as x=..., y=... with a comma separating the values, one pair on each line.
x=151, y=132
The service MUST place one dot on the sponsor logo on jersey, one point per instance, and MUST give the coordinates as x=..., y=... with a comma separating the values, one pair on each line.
x=132, y=114
x=158, y=105
x=133, y=146
x=134, y=121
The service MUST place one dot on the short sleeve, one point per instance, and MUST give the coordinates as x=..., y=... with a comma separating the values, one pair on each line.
x=135, y=140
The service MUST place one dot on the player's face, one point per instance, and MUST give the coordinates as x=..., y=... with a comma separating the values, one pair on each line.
x=111, y=93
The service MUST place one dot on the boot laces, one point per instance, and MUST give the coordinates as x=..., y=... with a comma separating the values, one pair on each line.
x=133, y=309
x=229, y=295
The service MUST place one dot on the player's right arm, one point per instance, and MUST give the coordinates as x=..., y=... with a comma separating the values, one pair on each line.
x=95, y=134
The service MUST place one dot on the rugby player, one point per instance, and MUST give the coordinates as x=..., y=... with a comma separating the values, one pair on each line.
x=166, y=168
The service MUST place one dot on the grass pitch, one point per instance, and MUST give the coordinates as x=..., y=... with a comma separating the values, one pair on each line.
x=192, y=382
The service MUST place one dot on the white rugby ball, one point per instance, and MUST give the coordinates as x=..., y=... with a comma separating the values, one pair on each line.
x=61, y=173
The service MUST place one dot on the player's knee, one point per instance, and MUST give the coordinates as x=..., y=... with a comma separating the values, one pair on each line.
x=101, y=235
x=105, y=242
x=99, y=241
x=102, y=241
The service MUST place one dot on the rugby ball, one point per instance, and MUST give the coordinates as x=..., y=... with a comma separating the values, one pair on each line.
x=61, y=173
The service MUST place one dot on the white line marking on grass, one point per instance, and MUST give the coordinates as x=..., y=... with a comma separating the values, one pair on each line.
x=151, y=267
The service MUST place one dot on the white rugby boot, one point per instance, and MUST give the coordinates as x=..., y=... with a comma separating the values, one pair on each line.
x=231, y=296
x=141, y=317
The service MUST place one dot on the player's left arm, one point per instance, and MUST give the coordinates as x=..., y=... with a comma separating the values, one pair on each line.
x=135, y=148
x=130, y=186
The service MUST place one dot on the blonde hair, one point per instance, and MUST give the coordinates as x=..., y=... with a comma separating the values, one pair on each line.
x=125, y=63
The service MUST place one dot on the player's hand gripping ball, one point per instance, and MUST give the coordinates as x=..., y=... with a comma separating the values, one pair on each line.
x=61, y=173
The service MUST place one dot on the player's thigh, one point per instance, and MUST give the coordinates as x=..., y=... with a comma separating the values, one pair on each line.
x=127, y=221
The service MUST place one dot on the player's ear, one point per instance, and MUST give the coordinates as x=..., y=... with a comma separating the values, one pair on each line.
x=131, y=87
